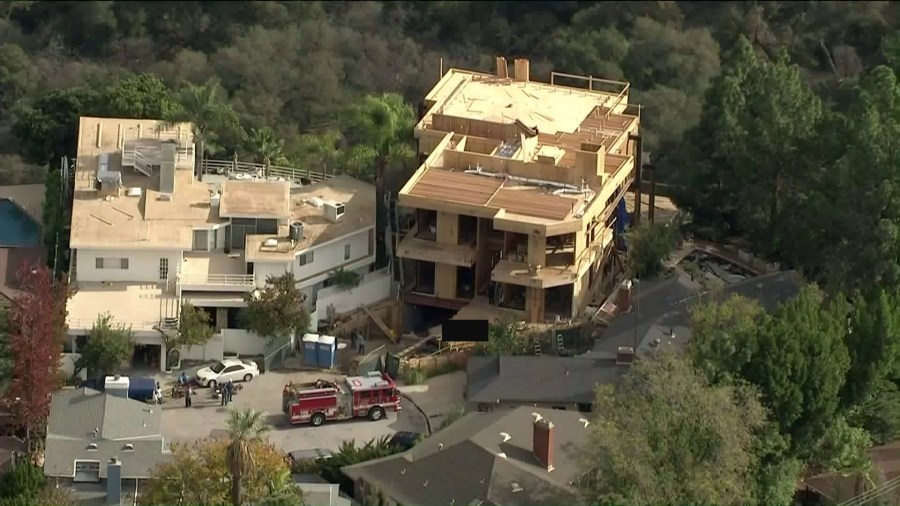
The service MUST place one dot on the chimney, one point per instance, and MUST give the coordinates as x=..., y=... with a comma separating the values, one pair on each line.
x=114, y=482
x=542, y=443
x=623, y=297
x=523, y=70
x=502, y=68
x=625, y=355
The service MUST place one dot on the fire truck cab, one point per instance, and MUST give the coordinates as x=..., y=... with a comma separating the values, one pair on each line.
x=315, y=402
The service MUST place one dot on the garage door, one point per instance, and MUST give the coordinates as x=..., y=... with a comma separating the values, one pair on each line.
x=86, y=471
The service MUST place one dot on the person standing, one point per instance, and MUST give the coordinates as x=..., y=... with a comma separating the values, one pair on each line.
x=223, y=394
x=187, y=396
x=229, y=391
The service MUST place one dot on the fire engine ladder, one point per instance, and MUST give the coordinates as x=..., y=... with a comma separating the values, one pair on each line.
x=560, y=347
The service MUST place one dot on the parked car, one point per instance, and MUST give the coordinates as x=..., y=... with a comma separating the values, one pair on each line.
x=405, y=440
x=233, y=369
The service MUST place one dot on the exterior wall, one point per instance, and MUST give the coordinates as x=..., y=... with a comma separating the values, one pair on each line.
x=212, y=350
x=326, y=258
x=242, y=342
x=142, y=265
x=374, y=287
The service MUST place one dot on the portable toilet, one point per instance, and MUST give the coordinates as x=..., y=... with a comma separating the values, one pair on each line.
x=117, y=385
x=326, y=351
x=311, y=349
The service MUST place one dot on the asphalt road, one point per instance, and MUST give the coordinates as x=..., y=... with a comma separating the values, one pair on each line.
x=208, y=418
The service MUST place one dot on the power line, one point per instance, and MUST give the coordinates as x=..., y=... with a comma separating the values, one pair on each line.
x=875, y=493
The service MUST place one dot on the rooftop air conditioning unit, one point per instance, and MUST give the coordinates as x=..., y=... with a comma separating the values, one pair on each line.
x=334, y=211
x=297, y=231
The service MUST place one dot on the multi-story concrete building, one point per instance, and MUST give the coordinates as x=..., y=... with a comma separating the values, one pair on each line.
x=517, y=198
x=148, y=234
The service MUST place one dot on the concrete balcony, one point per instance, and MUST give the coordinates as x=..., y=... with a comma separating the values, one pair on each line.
x=215, y=272
x=519, y=273
x=216, y=282
x=414, y=248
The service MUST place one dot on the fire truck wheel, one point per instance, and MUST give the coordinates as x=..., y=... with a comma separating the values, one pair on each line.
x=317, y=419
x=376, y=414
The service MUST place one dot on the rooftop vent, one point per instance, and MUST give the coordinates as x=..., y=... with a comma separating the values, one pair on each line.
x=316, y=202
x=585, y=422
x=625, y=355
x=129, y=447
x=506, y=437
x=270, y=243
x=92, y=446
x=516, y=487
x=214, y=199
x=135, y=191
x=297, y=231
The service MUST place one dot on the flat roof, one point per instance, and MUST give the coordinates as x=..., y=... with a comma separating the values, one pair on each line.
x=358, y=198
x=550, y=108
x=491, y=192
x=150, y=220
x=255, y=199
x=137, y=304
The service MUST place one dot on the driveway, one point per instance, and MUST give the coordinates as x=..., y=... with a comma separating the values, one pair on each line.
x=207, y=417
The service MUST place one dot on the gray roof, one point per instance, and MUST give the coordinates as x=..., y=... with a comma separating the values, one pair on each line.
x=661, y=306
x=75, y=414
x=461, y=463
x=322, y=494
x=537, y=379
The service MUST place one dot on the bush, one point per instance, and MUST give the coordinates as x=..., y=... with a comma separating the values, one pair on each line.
x=415, y=376
x=454, y=414
x=648, y=247
x=23, y=480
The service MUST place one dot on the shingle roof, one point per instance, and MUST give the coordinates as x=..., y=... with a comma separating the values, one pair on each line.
x=537, y=379
x=461, y=463
x=662, y=306
x=75, y=414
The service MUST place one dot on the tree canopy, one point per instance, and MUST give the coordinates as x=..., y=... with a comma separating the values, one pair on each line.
x=107, y=347
x=277, y=310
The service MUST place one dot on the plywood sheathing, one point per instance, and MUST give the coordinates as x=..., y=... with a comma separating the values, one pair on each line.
x=530, y=203
x=456, y=187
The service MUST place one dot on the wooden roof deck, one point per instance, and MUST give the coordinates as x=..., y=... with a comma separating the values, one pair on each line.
x=456, y=187
x=531, y=203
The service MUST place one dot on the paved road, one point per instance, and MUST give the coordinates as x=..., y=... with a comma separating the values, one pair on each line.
x=207, y=417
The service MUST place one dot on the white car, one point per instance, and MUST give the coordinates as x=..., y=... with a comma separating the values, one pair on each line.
x=233, y=369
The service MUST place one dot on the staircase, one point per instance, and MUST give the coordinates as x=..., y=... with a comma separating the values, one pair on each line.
x=132, y=157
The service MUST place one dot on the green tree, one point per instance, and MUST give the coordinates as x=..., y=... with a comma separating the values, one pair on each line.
x=649, y=244
x=23, y=480
x=350, y=453
x=245, y=429
x=742, y=162
x=800, y=366
x=844, y=449
x=265, y=146
x=46, y=127
x=724, y=336
x=108, y=346
x=879, y=414
x=380, y=132
x=278, y=309
x=15, y=75
x=210, y=116
x=143, y=96
x=872, y=341
x=193, y=326
x=668, y=436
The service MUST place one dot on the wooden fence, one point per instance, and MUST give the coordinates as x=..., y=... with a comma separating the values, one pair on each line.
x=438, y=361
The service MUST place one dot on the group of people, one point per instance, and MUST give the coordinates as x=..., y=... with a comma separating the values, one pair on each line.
x=226, y=392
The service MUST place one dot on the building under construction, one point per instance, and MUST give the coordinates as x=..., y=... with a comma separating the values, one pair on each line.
x=519, y=199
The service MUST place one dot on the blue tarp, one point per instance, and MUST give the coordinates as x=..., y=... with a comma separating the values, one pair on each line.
x=623, y=219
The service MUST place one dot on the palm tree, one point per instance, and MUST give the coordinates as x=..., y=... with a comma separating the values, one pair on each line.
x=245, y=429
x=266, y=147
x=382, y=128
x=203, y=107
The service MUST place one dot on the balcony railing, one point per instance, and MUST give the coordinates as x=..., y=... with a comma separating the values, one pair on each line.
x=135, y=325
x=236, y=280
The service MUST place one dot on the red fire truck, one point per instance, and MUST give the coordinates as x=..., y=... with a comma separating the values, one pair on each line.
x=356, y=396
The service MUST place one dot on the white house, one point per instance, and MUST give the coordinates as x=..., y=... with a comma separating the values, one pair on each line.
x=148, y=234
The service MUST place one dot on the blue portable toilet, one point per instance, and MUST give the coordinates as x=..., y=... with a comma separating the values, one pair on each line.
x=326, y=351
x=311, y=350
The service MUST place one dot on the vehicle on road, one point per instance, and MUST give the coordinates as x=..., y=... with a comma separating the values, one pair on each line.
x=233, y=369
x=371, y=396
x=405, y=440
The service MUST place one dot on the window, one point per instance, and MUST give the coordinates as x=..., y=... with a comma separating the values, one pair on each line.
x=306, y=258
x=346, y=252
x=86, y=471
x=163, y=269
x=111, y=263
x=234, y=368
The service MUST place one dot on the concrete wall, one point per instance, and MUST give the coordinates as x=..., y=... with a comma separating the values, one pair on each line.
x=242, y=342
x=142, y=265
x=212, y=350
x=373, y=287
x=326, y=258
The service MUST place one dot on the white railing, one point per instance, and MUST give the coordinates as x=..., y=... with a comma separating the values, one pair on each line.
x=217, y=279
x=135, y=325
x=259, y=171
